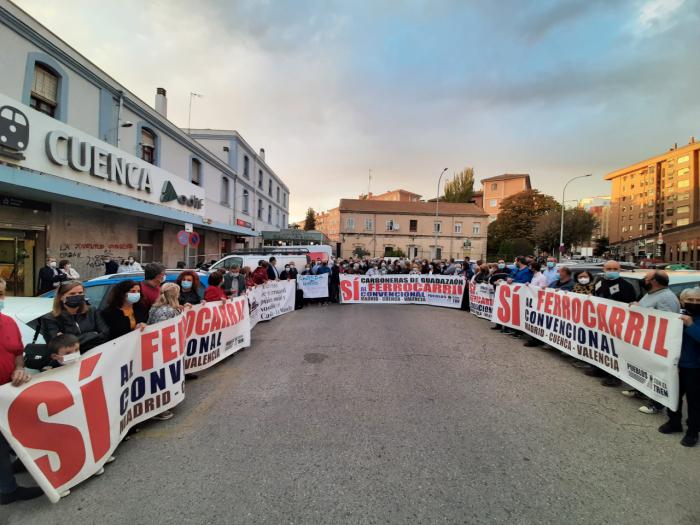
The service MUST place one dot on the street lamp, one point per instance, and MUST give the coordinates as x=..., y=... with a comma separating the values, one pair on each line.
x=563, y=200
x=437, y=204
x=189, y=115
x=122, y=124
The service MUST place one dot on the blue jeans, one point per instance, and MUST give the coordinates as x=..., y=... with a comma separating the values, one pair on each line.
x=7, y=478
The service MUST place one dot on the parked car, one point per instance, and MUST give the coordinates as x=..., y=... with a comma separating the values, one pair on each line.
x=96, y=289
x=251, y=259
x=25, y=311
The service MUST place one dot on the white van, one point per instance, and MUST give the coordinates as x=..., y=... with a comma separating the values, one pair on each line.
x=251, y=257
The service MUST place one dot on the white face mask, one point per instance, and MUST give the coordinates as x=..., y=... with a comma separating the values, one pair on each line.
x=71, y=358
x=52, y=264
x=584, y=280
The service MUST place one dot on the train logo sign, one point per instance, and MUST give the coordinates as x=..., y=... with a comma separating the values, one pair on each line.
x=14, y=133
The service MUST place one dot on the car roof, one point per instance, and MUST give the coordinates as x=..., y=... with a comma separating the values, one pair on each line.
x=674, y=277
x=26, y=309
x=134, y=276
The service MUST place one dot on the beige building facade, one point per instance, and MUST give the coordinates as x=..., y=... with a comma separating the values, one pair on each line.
x=380, y=227
x=497, y=188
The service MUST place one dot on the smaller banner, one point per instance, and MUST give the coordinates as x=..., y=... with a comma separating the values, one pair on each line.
x=434, y=290
x=481, y=299
x=215, y=331
x=313, y=286
x=272, y=299
x=638, y=345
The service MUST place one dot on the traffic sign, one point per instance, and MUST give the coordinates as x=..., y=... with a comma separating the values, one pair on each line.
x=189, y=228
x=194, y=239
x=183, y=237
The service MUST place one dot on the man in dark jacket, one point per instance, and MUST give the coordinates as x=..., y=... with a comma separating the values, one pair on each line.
x=272, y=272
x=111, y=266
x=565, y=282
x=615, y=288
x=50, y=277
x=234, y=282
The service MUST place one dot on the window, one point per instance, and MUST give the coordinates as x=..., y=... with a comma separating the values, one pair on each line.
x=284, y=221
x=245, y=201
x=391, y=225
x=260, y=179
x=277, y=218
x=148, y=145
x=682, y=222
x=278, y=193
x=413, y=225
x=284, y=200
x=494, y=186
x=669, y=212
x=350, y=223
x=369, y=225
x=684, y=158
x=246, y=167
x=458, y=227
x=260, y=209
x=683, y=171
x=44, y=94
x=683, y=196
x=437, y=227
x=476, y=228
x=225, y=190
x=269, y=187
x=438, y=253
x=683, y=209
x=493, y=203
x=196, y=171
x=683, y=183
x=269, y=213
x=650, y=226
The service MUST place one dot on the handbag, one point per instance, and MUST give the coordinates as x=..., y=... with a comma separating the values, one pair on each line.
x=37, y=355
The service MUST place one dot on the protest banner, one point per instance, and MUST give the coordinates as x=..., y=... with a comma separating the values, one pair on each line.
x=65, y=423
x=434, y=290
x=481, y=299
x=270, y=300
x=313, y=286
x=640, y=346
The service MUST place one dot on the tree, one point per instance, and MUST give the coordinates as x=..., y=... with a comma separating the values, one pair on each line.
x=578, y=226
x=295, y=226
x=396, y=252
x=461, y=187
x=360, y=252
x=602, y=245
x=518, y=217
x=310, y=221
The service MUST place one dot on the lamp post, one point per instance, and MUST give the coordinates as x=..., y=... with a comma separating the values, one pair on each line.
x=437, y=204
x=563, y=201
x=121, y=124
x=189, y=115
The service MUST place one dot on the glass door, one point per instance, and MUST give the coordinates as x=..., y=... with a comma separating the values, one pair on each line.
x=17, y=264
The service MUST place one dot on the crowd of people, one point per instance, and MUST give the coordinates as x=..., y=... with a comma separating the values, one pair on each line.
x=74, y=326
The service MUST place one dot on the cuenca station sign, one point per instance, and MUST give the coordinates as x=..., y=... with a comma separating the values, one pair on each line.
x=32, y=140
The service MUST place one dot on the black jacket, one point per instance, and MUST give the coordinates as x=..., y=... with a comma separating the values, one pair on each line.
x=111, y=267
x=48, y=277
x=233, y=283
x=498, y=275
x=615, y=290
x=271, y=274
x=89, y=327
x=189, y=296
x=118, y=323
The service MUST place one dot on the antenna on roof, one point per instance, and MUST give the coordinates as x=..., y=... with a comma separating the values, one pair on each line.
x=369, y=183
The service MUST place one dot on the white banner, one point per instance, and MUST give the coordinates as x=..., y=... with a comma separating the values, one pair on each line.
x=638, y=345
x=434, y=290
x=313, y=286
x=65, y=423
x=270, y=300
x=481, y=299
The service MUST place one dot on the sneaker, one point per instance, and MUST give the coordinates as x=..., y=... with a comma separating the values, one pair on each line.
x=581, y=364
x=630, y=393
x=649, y=409
x=191, y=377
x=20, y=494
x=670, y=428
x=164, y=416
x=496, y=328
x=611, y=381
x=690, y=439
x=110, y=459
x=530, y=344
x=65, y=493
x=99, y=472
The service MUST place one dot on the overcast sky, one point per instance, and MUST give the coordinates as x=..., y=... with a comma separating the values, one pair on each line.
x=405, y=88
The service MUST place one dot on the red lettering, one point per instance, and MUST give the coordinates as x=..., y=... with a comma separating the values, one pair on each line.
x=64, y=440
x=215, y=320
x=540, y=299
x=565, y=307
x=601, y=312
x=633, y=333
x=503, y=311
x=201, y=326
x=557, y=304
x=617, y=318
x=148, y=348
x=588, y=316
x=651, y=326
x=189, y=318
x=170, y=351
x=97, y=416
x=659, y=348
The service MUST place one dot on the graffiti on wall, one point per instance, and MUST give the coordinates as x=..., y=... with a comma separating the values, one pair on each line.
x=88, y=257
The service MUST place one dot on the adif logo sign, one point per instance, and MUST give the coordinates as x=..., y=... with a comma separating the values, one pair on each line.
x=169, y=194
x=14, y=132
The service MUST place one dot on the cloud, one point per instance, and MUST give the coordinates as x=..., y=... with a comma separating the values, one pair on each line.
x=658, y=15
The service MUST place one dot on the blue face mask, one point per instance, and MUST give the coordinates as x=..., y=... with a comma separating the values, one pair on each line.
x=186, y=285
x=133, y=297
x=611, y=276
x=501, y=266
x=550, y=264
x=2, y=304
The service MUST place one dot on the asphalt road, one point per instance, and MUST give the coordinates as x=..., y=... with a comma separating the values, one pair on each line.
x=390, y=414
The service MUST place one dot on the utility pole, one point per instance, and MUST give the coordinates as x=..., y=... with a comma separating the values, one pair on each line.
x=437, y=204
x=189, y=115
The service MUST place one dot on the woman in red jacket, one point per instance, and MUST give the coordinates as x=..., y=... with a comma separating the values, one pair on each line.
x=214, y=291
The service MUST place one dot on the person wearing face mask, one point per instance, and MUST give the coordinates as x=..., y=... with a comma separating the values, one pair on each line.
x=154, y=277
x=234, y=283
x=124, y=312
x=373, y=271
x=584, y=283
x=11, y=371
x=111, y=266
x=521, y=273
x=688, y=372
x=130, y=265
x=483, y=275
x=190, y=287
x=286, y=273
x=64, y=350
x=49, y=277
x=614, y=288
x=72, y=315
x=551, y=272
x=65, y=267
